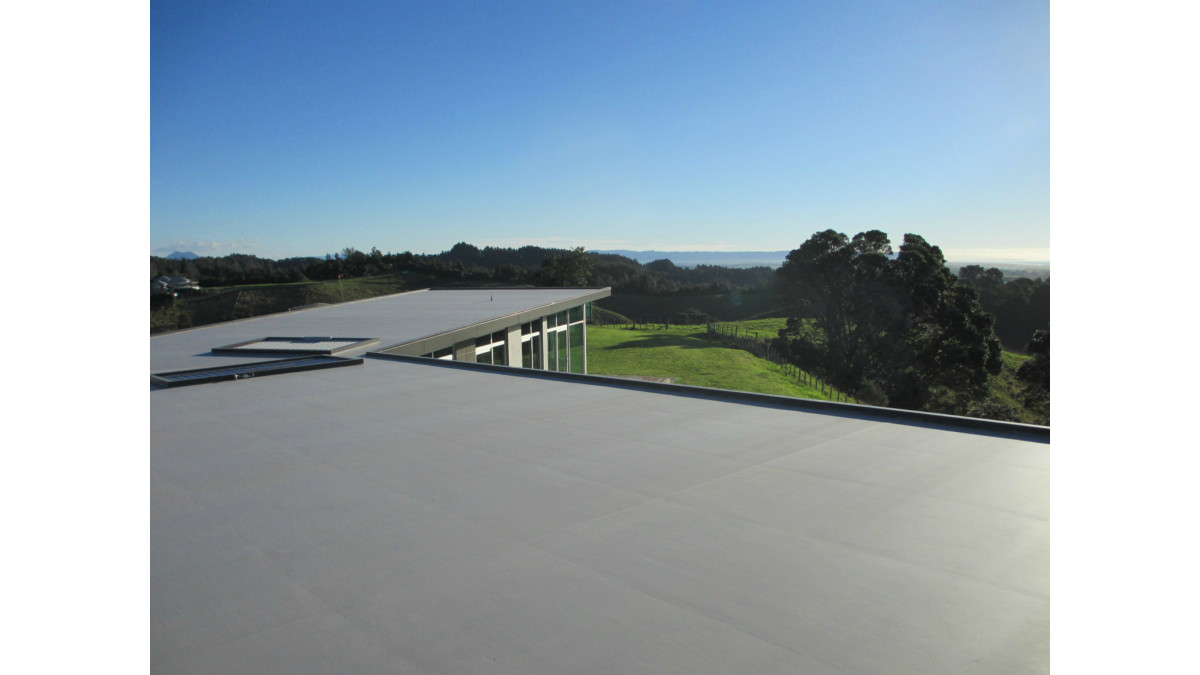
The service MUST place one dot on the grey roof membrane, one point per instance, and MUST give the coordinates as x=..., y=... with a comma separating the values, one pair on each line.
x=391, y=319
x=401, y=517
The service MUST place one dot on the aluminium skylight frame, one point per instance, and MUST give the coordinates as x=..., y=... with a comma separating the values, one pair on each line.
x=242, y=371
x=296, y=345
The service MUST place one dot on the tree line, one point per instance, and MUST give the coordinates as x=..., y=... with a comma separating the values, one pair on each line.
x=527, y=265
x=896, y=328
x=1021, y=306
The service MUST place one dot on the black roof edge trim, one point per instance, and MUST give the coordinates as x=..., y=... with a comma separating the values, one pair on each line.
x=1031, y=432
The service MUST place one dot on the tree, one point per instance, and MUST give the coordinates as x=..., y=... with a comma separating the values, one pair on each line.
x=988, y=283
x=1020, y=306
x=572, y=268
x=377, y=264
x=354, y=262
x=848, y=291
x=661, y=266
x=950, y=343
x=899, y=328
x=1035, y=373
x=464, y=253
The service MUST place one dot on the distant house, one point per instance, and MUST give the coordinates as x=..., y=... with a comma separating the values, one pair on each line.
x=182, y=284
x=164, y=285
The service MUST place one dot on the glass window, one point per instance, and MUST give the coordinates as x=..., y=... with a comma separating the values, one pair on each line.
x=576, y=314
x=563, y=354
x=576, y=332
x=531, y=352
x=562, y=318
x=490, y=348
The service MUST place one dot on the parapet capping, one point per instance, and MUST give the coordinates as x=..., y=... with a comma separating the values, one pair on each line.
x=1031, y=432
x=436, y=341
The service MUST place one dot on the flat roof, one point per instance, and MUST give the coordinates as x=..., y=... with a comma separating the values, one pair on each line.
x=390, y=319
x=400, y=516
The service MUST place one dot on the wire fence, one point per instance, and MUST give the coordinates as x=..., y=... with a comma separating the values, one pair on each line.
x=760, y=346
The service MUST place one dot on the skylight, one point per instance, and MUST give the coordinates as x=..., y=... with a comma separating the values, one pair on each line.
x=296, y=345
x=241, y=371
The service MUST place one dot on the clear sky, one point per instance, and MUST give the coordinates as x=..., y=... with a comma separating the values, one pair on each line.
x=301, y=128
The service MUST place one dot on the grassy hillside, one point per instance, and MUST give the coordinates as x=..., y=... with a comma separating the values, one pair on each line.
x=760, y=329
x=690, y=356
x=1004, y=400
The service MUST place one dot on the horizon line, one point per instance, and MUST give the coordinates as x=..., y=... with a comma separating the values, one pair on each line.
x=1032, y=256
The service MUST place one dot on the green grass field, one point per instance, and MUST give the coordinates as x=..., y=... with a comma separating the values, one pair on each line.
x=758, y=328
x=690, y=356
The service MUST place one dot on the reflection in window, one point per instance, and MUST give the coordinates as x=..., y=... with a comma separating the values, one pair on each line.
x=554, y=342
x=564, y=343
x=491, y=348
x=577, y=351
x=531, y=345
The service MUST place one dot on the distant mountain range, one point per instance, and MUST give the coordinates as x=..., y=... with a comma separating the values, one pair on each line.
x=722, y=258
x=182, y=255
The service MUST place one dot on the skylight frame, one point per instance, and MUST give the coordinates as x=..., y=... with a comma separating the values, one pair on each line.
x=296, y=345
x=243, y=371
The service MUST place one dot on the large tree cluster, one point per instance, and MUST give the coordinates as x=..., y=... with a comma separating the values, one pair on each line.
x=895, y=329
x=1021, y=306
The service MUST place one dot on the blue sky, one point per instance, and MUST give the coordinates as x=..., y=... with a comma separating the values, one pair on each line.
x=289, y=128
